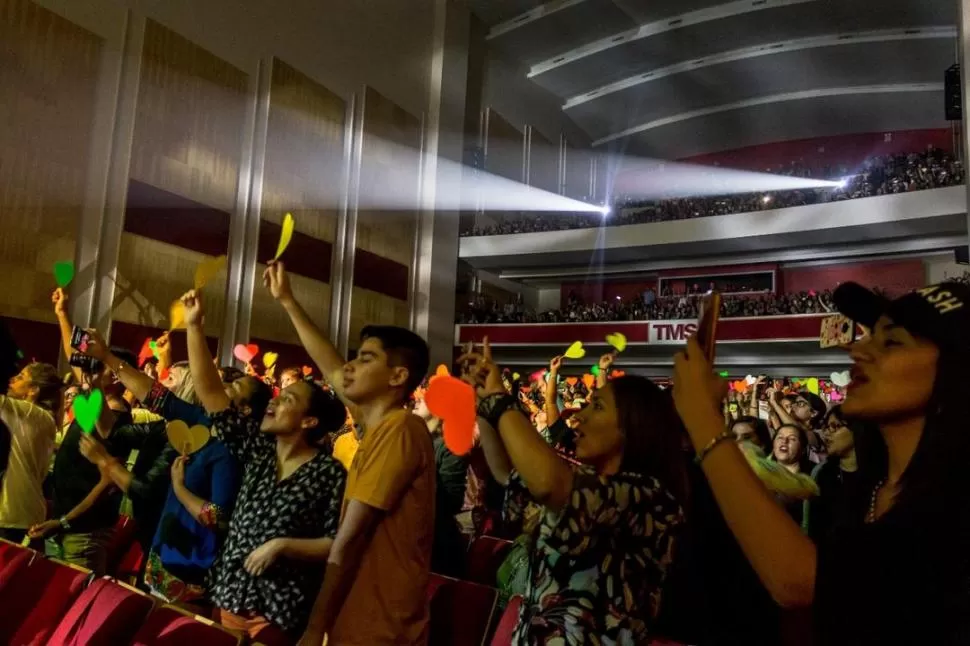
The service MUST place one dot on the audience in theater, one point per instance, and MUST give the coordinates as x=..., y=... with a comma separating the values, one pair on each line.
x=884, y=175
x=662, y=308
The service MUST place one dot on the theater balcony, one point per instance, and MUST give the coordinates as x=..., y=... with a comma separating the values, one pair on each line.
x=902, y=223
x=786, y=345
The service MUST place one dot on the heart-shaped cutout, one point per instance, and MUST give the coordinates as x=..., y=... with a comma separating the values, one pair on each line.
x=186, y=440
x=750, y=380
x=617, y=340
x=286, y=234
x=245, y=353
x=63, y=273
x=453, y=401
x=811, y=385
x=575, y=351
x=269, y=359
x=307, y=371
x=589, y=381
x=87, y=409
x=516, y=376
x=147, y=351
x=840, y=379
x=207, y=270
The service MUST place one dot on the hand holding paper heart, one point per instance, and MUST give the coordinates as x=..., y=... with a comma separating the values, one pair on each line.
x=246, y=353
x=617, y=340
x=87, y=409
x=186, y=440
x=63, y=273
x=270, y=359
x=575, y=351
x=208, y=269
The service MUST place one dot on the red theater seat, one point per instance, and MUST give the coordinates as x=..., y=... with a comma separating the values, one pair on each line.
x=506, y=625
x=461, y=612
x=35, y=599
x=106, y=613
x=485, y=556
x=171, y=626
x=9, y=551
x=120, y=544
x=130, y=566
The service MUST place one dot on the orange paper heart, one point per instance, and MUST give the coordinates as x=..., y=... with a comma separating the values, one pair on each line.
x=589, y=381
x=453, y=401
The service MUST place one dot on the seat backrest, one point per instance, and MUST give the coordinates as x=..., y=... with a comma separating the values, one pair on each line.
x=485, y=556
x=105, y=613
x=8, y=550
x=121, y=539
x=506, y=625
x=461, y=613
x=36, y=598
x=170, y=626
x=130, y=566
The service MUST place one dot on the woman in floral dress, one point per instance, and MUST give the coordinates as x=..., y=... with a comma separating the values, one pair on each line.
x=606, y=537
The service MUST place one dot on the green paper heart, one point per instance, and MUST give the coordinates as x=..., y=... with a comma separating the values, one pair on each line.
x=154, y=348
x=87, y=409
x=63, y=273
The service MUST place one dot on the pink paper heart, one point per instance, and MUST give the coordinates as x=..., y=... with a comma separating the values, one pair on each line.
x=245, y=353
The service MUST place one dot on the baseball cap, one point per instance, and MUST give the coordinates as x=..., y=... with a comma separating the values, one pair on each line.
x=939, y=313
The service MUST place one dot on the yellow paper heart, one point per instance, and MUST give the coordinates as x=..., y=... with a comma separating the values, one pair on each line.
x=617, y=340
x=207, y=270
x=515, y=376
x=575, y=351
x=186, y=440
x=286, y=234
x=269, y=359
x=176, y=316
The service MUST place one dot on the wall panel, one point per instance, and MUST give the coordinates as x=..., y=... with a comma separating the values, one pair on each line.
x=503, y=146
x=185, y=159
x=390, y=164
x=48, y=75
x=303, y=176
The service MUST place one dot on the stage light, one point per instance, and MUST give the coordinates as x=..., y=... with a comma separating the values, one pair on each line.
x=766, y=199
x=843, y=182
x=605, y=210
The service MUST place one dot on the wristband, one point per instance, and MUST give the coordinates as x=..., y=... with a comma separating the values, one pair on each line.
x=494, y=406
x=65, y=524
x=720, y=437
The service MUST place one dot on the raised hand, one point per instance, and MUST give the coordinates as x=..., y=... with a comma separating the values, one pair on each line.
x=59, y=299
x=606, y=361
x=194, y=310
x=483, y=371
x=555, y=364
x=97, y=347
x=277, y=281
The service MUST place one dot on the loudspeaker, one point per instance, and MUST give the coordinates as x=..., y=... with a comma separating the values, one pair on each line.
x=952, y=94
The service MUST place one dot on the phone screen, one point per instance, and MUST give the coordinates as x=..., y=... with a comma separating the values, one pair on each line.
x=710, y=311
x=80, y=339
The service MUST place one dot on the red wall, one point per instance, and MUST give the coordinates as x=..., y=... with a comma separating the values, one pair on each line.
x=827, y=151
x=895, y=276
x=599, y=291
x=718, y=271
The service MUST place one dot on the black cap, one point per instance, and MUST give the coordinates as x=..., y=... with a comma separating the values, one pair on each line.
x=939, y=313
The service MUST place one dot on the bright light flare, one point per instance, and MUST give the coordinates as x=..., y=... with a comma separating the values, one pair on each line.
x=651, y=179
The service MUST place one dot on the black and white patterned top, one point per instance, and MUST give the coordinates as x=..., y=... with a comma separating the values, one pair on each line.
x=305, y=505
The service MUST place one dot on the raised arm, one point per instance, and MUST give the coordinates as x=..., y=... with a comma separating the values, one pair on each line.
x=205, y=375
x=550, y=405
x=783, y=557
x=59, y=299
x=548, y=477
x=316, y=343
x=133, y=379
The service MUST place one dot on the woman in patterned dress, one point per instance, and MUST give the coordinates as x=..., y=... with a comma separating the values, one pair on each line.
x=606, y=537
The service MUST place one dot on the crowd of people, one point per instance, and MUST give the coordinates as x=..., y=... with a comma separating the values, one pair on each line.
x=311, y=512
x=883, y=175
x=641, y=308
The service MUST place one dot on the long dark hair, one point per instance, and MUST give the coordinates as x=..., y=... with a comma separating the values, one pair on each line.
x=936, y=472
x=653, y=433
x=804, y=463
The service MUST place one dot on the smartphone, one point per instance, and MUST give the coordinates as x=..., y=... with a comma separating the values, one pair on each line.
x=80, y=339
x=86, y=364
x=710, y=312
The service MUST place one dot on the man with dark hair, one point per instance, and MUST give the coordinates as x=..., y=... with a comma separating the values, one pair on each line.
x=374, y=591
x=288, y=508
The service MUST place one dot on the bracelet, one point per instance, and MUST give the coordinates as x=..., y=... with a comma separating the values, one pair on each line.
x=717, y=439
x=494, y=406
x=64, y=523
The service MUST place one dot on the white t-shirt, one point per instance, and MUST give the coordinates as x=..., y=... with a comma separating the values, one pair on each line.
x=32, y=432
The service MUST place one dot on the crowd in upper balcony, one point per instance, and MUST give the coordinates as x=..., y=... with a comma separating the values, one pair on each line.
x=648, y=307
x=882, y=175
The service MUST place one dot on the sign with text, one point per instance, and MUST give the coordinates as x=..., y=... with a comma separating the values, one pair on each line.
x=802, y=327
